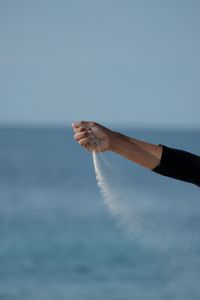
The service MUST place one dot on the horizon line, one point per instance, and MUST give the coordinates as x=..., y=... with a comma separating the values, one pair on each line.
x=114, y=125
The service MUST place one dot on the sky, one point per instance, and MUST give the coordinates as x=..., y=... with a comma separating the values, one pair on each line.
x=122, y=62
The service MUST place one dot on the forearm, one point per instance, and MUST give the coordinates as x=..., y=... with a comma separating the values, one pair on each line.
x=146, y=154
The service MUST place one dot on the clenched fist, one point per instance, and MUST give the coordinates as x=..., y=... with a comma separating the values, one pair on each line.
x=92, y=136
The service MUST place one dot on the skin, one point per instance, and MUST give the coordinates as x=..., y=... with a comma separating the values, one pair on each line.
x=95, y=137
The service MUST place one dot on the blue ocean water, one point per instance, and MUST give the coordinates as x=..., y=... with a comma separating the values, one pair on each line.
x=58, y=240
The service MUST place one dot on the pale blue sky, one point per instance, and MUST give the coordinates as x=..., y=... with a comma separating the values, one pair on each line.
x=121, y=62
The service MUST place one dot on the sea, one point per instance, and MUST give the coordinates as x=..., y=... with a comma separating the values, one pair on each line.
x=60, y=240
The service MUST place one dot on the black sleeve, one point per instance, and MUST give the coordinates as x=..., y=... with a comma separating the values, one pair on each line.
x=180, y=165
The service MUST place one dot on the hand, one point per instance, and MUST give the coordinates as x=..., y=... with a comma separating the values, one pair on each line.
x=92, y=136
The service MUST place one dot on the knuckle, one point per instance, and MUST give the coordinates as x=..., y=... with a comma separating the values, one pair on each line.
x=81, y=142
x=76, y=137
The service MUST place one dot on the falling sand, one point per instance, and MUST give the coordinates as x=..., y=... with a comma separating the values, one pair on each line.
x=112, y=198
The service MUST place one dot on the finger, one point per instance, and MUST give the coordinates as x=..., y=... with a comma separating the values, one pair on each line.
x=84, y=142
x=81, y=129
x=75, y=124
x=88, y=142
x=82, y=123
x=89, y=147
x=81, y=135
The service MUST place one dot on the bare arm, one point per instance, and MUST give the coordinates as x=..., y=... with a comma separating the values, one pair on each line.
x=174, y=163
x=95, y=137
x=143, y=153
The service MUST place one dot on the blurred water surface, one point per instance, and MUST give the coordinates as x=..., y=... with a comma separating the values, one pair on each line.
x=58, y=241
